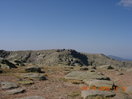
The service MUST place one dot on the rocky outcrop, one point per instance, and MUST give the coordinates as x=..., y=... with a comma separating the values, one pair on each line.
x=6, y=64
x=60, y=57
x=4, y=54
x=49, y=57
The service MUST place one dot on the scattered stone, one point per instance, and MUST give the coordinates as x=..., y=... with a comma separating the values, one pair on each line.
x=19, y=63
x=1, y=71
x=32, y=97
x=120, y=73
x=15, y=91
x=36, y=76
x=8, y=85
x=84, y=68
x=110, y=67
x=92, y=70
x=93, y=93
x=33, y=69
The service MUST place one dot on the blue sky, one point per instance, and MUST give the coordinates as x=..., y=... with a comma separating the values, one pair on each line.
x=93, y=26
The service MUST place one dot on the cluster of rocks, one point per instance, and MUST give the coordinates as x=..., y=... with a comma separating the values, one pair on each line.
x=11, y=88
x=59, y=57
x=6, y=64
x=33, y=73
x=93, y=79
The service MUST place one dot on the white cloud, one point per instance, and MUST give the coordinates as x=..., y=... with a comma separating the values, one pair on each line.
x=126, y=3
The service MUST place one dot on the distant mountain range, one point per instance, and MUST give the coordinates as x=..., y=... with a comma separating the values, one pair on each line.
x=119, y=58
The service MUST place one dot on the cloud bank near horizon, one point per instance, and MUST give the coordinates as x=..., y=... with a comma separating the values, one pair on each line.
x=125, y=3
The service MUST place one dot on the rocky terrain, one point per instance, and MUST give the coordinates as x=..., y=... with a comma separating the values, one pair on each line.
x=63, y=74
x=58, y=57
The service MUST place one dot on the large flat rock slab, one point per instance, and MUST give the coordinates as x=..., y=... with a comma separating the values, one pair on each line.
x=15, y=91
x=32, y=97
x=100, y=84
x=85, y=75
x=8, y=85
x=93, y=93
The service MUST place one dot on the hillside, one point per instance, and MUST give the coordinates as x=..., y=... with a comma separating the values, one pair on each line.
x=63, y=74
x=119, y=58
x=59, y=57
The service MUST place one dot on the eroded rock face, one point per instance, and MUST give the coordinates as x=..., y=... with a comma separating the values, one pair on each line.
x=32, y=97
x=93, y=93
x=8, y=85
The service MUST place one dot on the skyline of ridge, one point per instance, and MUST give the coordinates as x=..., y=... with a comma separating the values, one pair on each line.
x=90, y=26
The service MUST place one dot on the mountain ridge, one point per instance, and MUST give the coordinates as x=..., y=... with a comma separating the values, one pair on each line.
x=119, y=58
x=53, y=57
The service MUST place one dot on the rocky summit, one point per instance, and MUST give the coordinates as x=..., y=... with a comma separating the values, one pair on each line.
x=8, y=59
x=63, y=74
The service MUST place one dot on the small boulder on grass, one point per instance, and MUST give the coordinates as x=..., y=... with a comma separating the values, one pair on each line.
x=33, y=69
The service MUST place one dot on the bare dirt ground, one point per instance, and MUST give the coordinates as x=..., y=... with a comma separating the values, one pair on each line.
x=56, y=87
